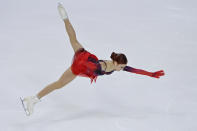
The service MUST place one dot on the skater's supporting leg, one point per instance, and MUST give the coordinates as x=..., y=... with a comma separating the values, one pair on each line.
x=67, y=77
x=72, y=35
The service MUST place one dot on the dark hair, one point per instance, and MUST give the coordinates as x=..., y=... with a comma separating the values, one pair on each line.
x=119, y=58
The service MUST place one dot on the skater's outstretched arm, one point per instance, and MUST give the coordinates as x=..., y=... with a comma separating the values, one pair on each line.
x=69, y=28
x=156, y=74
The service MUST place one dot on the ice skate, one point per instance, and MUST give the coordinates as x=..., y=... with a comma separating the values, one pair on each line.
x=28, y=104
x=62, y=11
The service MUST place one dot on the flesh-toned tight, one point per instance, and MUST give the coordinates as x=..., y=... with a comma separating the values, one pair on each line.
x=66, y=77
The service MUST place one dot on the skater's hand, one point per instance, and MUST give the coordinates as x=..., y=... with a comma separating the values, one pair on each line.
x=157, y=74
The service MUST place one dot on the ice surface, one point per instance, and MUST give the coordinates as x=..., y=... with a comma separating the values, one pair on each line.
x=154, y=34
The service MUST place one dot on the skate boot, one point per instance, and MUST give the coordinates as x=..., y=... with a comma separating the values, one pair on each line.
x=62, y=11
x=28, y=104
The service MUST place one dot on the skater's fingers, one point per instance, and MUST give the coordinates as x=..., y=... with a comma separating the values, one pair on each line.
x=161, y=73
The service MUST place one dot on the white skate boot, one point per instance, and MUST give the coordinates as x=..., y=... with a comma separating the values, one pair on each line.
x=28, y=104
x=62, y=11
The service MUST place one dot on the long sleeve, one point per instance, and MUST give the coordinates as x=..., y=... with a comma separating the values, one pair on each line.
x=143, y=72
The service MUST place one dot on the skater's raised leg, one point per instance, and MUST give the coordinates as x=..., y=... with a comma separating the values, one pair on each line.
x=69, y=28
x=72, y=36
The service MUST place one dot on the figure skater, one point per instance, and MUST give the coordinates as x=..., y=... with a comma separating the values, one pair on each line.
x=84, y=64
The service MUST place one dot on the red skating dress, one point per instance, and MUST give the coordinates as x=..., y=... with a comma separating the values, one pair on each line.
x=86, y=64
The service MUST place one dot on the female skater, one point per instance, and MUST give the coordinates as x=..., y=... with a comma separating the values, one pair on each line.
x=84, y=64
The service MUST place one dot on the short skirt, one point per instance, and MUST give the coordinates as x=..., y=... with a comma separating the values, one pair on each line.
x=81, y=65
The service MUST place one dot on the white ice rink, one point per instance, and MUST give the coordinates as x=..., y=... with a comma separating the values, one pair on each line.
x=153, y=34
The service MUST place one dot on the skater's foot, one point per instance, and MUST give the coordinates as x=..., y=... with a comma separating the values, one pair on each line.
x=62, y=11
x=29, y=103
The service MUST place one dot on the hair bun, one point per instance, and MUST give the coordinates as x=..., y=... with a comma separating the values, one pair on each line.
x=113, y=55
x=119, y=58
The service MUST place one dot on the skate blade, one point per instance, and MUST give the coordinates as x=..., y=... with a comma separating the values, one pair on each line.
x=26, y=111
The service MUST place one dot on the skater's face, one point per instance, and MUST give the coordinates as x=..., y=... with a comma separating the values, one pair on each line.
x=119, y=67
